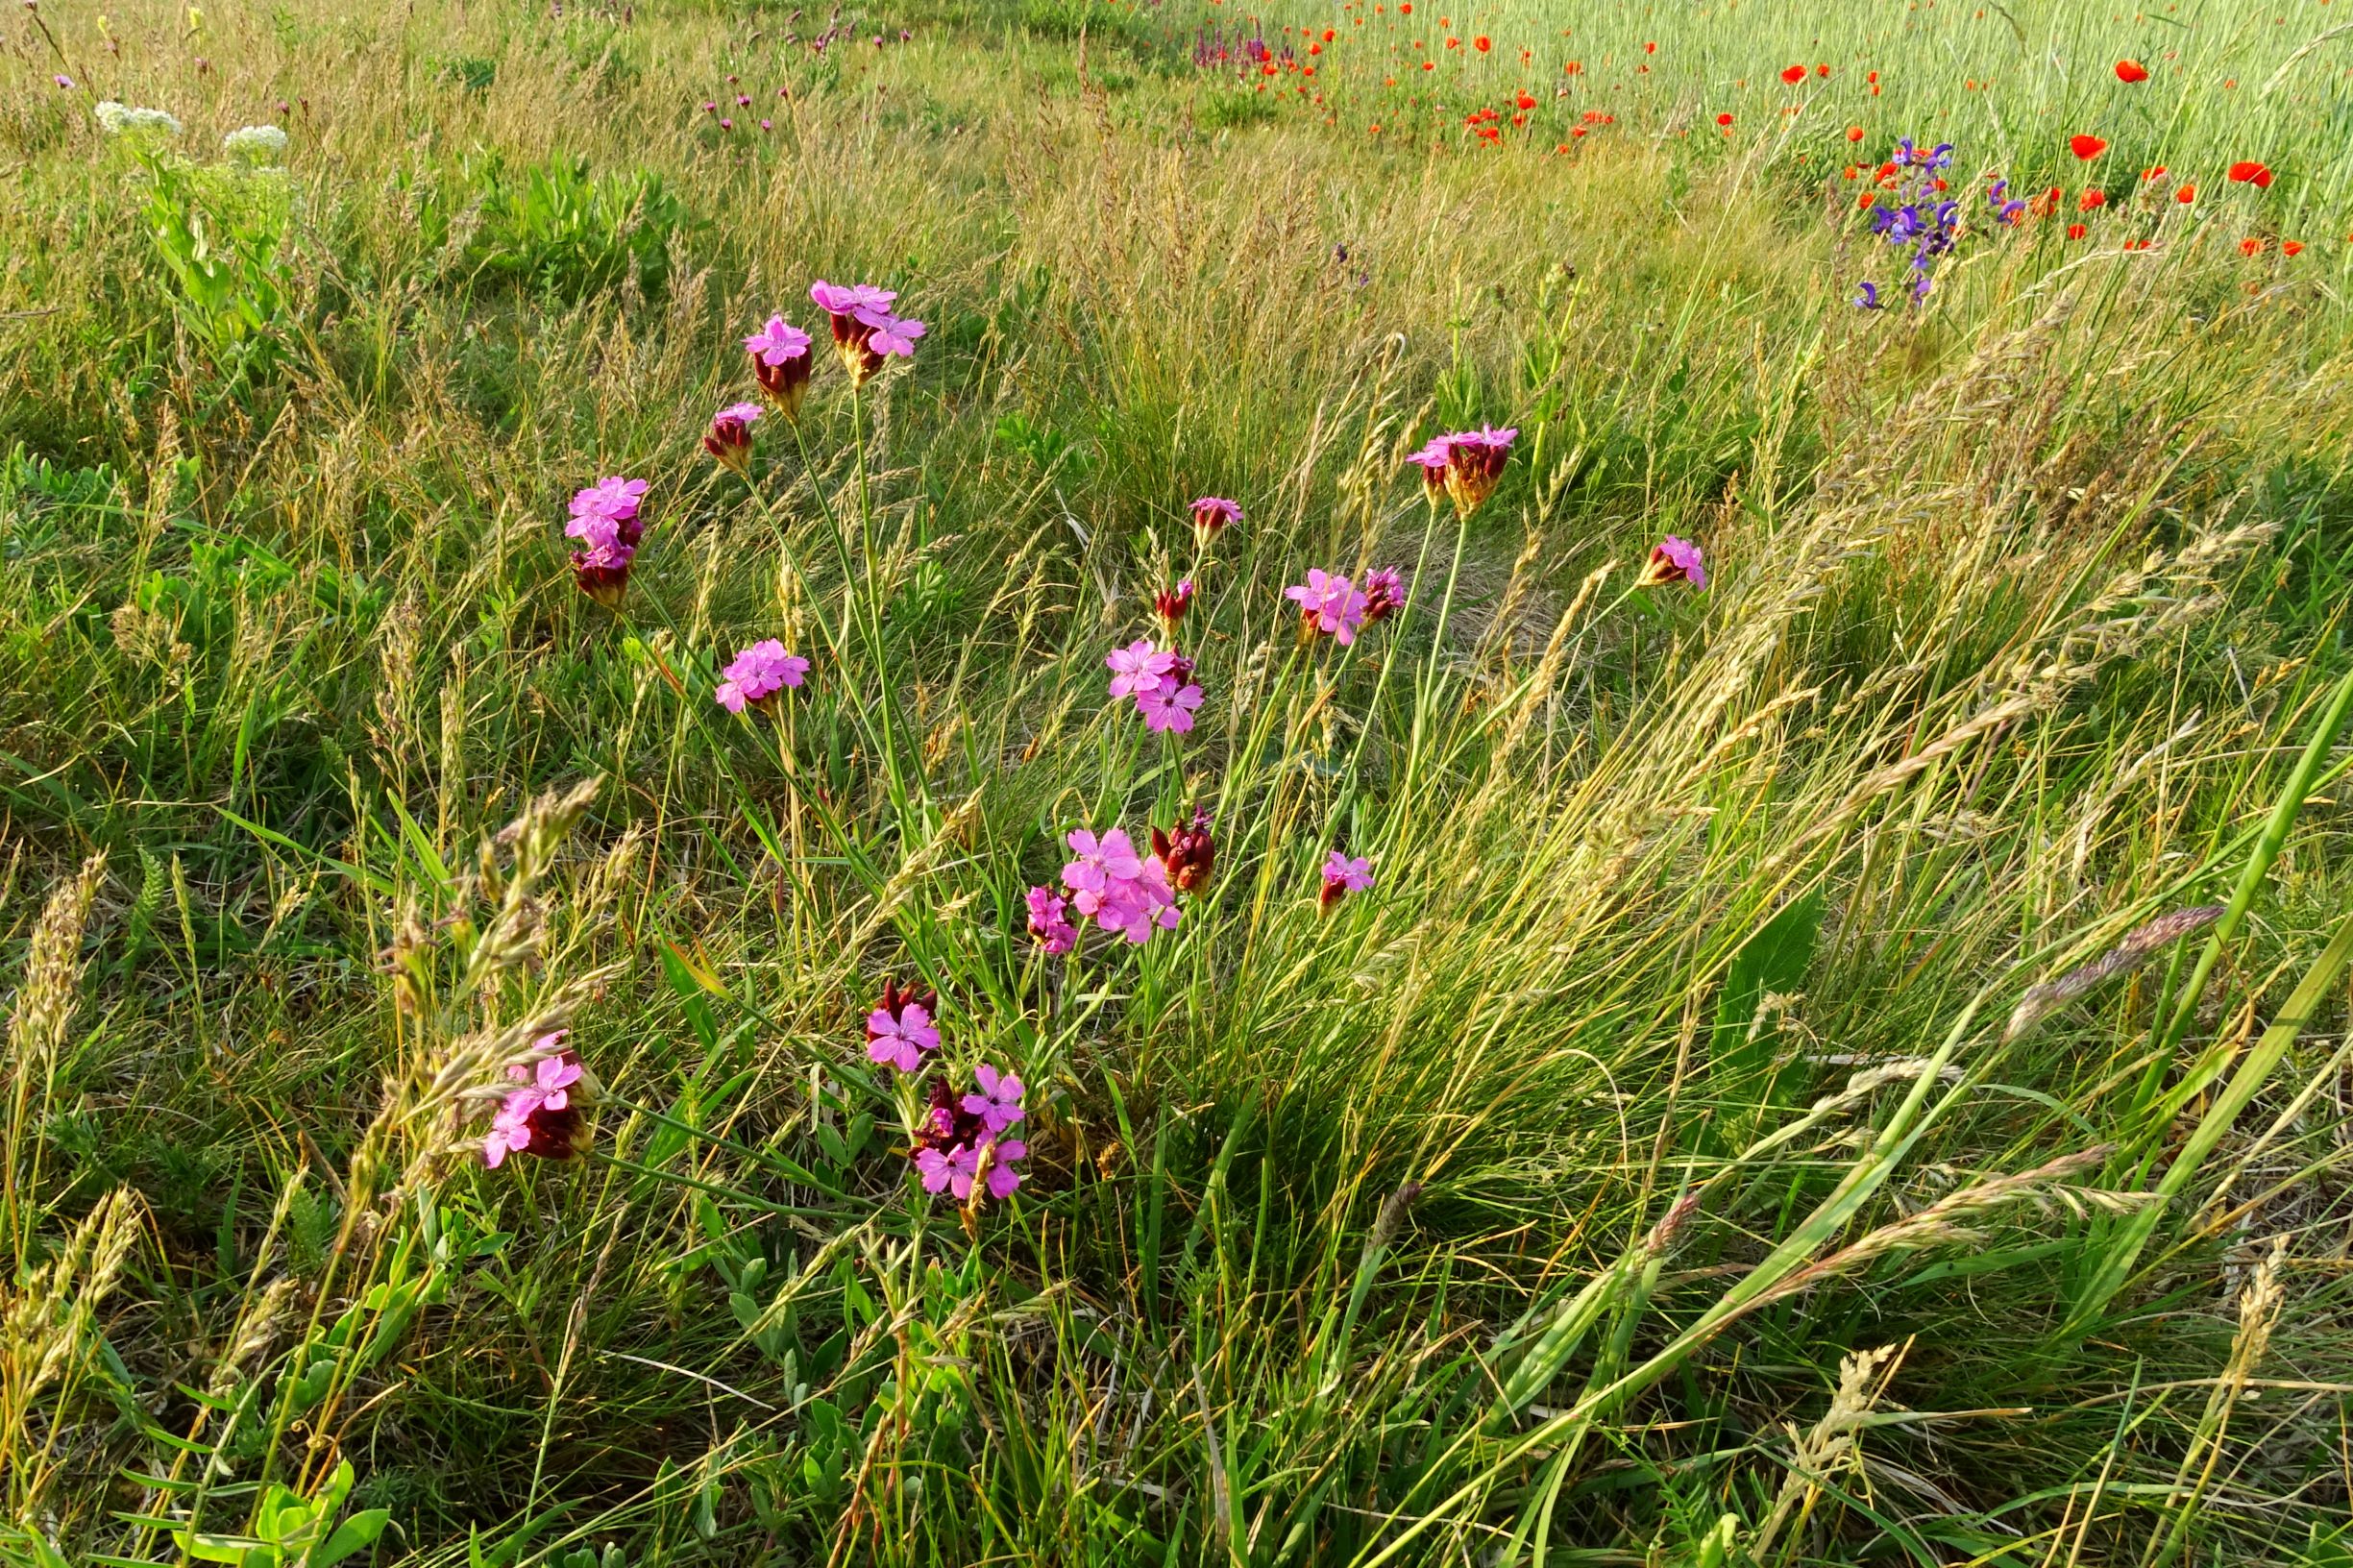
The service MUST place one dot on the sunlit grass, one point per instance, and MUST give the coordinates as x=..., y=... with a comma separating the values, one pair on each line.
x=1691, y=1147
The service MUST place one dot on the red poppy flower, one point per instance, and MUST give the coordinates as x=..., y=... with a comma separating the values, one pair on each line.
x=2092, y=199
x=2290, y=247
x=2086, y=148
x=1867, y=198
x=1855, y=132
x=2251, y=173
x=2130, y=71
x=2249, y=246
x=2186, y=195
x=1852, y=171
x=1793, y=74
x=1649, y=48
x=2157, y=173
x=2077, y=230
x=2045, y=204
x=1481, y=43
x=1525, y=101
x=1823, y=69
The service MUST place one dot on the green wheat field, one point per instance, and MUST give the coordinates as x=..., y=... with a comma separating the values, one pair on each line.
x=1084, y=782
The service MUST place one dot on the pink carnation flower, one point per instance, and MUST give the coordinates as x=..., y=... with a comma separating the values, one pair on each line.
x=776, y=342
x=1329, y=604
x=899, y=1041
x=1674, y=560
x=1137, y=667
x=759, y=673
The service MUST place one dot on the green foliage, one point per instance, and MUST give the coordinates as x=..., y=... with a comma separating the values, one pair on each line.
x=557, y=231
x=1231, y=109
x=292, y=1530
x=220, y=231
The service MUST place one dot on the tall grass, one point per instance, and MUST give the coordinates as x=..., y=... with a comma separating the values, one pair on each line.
x=1844, y=1066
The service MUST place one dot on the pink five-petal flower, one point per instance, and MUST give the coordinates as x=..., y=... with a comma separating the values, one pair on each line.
x=963, y=1164
x=892, y=334
x=759, y=673
x=1213, y=514
x=1345, y=874
x=1674, y=560
x=1328, y=603
x=1168, y=709
x=841, y=300
x=1137, y=667
x=937, y=1169
x=1002, y=1177
x=554, y=1079
x=776, y=342
x=998, y=1104
x=901, y=1042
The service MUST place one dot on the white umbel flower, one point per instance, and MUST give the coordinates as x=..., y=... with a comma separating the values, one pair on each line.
x=123, y=120
x=255, y=144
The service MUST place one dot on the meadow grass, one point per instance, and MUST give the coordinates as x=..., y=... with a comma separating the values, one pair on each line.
x=1847, y=1065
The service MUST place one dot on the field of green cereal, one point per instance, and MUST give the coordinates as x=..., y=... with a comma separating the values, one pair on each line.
x=1042, y=782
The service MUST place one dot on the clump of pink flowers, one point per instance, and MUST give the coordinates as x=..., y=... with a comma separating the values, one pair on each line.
x=1674, y=560
x=1464, y=467
x=865, y=335
x=1329, y=605
x=1049, y=920
x=899, y=1030
x=758, y=673
x=1160, y=680
x=1344, y=874
x=1117, y=888
x=961, y=1145
x=542, y=1117
x=604, y=519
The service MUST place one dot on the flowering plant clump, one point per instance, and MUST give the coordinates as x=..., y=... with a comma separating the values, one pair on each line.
x=1187, y=853
x=729, y=437
x=899, y=1030
x=1329, y=605
x=865, y=335
x=758, y=673
x=1344, y=874
x=123, y=120
x=1917, y=216
x=1159, y=681
x=604, y=519
x=1674, y=560
x=1213, y=515
x=1464, y=467
x=1118, y=888
x=256, y=146
x=960, y=1145
x=781, y=363
x=1049, y=920
x=543, y=1117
